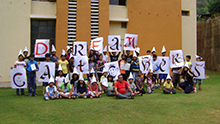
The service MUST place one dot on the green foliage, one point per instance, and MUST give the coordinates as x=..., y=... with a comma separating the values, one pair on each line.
x=214, y=6
x=202, y=7
x=202, y=107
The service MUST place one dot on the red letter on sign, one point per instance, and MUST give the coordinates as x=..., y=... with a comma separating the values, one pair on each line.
x=130, y=42
x=93, y=45
x=38, y=48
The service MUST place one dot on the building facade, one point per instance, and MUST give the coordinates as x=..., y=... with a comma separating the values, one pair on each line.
x=157, y=22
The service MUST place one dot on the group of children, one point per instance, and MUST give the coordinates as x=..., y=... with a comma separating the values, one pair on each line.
x=68, y=83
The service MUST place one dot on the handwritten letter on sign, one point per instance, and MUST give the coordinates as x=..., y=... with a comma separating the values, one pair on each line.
x=130, y=41
x=79, y=48
x=114, y=43
x=41, y=48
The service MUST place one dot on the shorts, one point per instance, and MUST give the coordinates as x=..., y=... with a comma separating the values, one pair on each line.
x=154, y=77
x=44, y=84
x=163, y=76
x=200, y=81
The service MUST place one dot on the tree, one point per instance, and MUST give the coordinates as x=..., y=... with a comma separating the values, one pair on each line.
x=214, y=6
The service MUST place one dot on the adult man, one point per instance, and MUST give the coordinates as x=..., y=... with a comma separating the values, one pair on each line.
x=121, y=88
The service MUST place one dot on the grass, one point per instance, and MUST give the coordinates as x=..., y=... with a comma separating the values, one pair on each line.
x=202, y=107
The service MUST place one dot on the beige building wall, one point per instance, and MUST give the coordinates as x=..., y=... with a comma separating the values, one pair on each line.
x=117, y=14
x=15, y=18
x=43, y=8
x=15, y=33
x=189, y=30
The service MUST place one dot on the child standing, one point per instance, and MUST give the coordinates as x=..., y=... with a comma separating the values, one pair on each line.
x=188, y=61
x=135, y=66
x=19, y=64
x=105, y=56
x=51, y=90
x=156, y=67
x=110, y=89
x=47, y=59
x=163, y=76
x=200, y=81
x=140, y=83
x=122, y=62
x=25, y=53
x=64, y=63
x=32, y=67
x=93, y=89
x=168, y=87
x=99, y=66
x=113, y=56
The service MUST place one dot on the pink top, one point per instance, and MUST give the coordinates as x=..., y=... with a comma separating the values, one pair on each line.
x=19, y=64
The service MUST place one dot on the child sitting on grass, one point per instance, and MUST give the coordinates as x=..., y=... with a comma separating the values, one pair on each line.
x=60, y=78
x=133, y=86
x=168, y=87
x=81, y=88
x=110, y=89
x=74, y=80
x=93, y=89
x=51, y=90
x=150, y=86
x=104, y=81
x=66, y=89
x=140, y=83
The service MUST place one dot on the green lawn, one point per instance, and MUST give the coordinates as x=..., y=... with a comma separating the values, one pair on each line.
x=202, y=107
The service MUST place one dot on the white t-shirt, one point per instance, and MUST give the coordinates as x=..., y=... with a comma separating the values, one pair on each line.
x=105, y=57
x=19, y=64
x=51, y=90
x=59, y=80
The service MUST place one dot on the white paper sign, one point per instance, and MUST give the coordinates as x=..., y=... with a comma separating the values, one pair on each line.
x=114, y=43
x=81, y=64
x=176, y=58
x=145, y=63
x=41, y=48
x=79, y=48
x=97, y=44
x=46, y=69
x=18, y=78
x=104, y=82
x=113, y=68
x=125, y=66
x=130, y=41
x=164, y=63
x=198, y=68
x=33, y=67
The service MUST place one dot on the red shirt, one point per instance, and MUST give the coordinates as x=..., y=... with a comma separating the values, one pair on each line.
x=122, y=87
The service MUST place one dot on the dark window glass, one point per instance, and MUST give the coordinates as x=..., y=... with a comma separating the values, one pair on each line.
x=123, y=24
x=185, y=13
x=117, y=2
x=42, y=29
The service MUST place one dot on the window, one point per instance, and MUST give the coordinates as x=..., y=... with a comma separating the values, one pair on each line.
x=185, y=13
x=42, y=29
x=123, y=24
x=117, y=2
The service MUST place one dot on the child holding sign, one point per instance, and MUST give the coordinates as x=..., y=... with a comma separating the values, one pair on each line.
x=200, y=81
x=32, y=67
x=19, y=64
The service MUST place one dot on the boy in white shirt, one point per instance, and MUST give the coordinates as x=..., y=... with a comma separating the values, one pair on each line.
x=51, y=90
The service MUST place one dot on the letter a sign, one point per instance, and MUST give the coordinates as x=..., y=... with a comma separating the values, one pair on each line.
x=130, y=41
x=41, y=48
x=97, y=44
x=79, y=48
x=114, y=43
